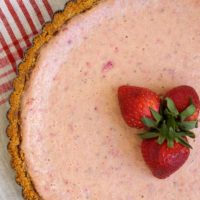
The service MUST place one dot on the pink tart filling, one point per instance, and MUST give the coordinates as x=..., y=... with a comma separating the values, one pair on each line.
x=75, y=141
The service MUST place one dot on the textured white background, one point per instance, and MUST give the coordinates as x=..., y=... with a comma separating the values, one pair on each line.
x=9, y=190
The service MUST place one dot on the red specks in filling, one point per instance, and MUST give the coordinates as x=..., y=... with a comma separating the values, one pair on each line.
x=76, y=170
x=76, y=137
x=107, y=66
x=85, y=73
x=66, y=182
x=160, y=78
x=55, y=78
x=113, y=152
x=46, y=188
x=95, y=108
x=116, y=49
x=52, y=134
x=171, y=72
x=138, y=64
x=69, y=41
x=30, y=101
x=64, y=29
x=88, y=64
x=66, y=88
x=159, y=41
x=162, y=10
x=71, y=128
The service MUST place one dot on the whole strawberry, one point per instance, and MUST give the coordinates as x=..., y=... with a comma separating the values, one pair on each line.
x=182, y=96
x=162, y=160
x=135, y=103
x=165, y=147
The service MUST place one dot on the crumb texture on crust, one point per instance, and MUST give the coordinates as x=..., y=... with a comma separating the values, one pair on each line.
x=17, y=157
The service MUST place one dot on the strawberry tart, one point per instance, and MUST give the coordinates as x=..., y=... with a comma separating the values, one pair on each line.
x=68, y=139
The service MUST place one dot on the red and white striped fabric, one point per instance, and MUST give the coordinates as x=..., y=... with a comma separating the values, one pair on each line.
x=20, y=21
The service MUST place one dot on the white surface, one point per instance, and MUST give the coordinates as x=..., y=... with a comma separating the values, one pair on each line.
x=9, y=190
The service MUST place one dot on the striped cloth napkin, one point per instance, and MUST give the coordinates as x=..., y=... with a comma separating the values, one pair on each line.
x=20, y=21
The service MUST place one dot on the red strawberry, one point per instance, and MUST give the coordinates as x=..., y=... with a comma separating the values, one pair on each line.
x=181, y=96
x=135, y=103
x=162, y=160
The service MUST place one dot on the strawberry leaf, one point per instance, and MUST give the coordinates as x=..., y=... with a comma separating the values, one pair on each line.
x=171, y=107
x=148, y=122
x=170, y=138
x=186, y=133
x=171, y=122
x=187, y=125
x=167, y=112
x=190, y=134
x=189, y=111
x=149, y=135
x=170, y=125
x=156, y=115
x=170, y=142
x=160, y=139
x=161, y=110
x=164, y=129
x=171, y=133
x=184, y=142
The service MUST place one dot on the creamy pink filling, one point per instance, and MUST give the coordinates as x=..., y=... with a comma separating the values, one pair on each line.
x=75, y=141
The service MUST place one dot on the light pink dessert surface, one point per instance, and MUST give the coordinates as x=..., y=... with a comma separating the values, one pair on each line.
x=76, y=144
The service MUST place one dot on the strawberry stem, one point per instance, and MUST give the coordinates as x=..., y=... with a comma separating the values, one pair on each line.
x=169, y=124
